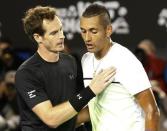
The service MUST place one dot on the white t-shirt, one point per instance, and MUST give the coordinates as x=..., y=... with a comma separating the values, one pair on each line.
x=115, y=108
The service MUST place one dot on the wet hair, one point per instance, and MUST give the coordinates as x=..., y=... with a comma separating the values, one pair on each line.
x=98, y=10
x=33, y=19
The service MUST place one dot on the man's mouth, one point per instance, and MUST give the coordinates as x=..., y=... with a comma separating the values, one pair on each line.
x=60, y=43
x=89, y=46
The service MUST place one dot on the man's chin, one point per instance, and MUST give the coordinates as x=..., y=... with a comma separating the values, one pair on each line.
x=58, y=50
x=90, y=50
x=61, y=49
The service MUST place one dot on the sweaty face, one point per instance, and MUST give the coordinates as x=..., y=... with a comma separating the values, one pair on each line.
x=93, y=33
x=53, y=39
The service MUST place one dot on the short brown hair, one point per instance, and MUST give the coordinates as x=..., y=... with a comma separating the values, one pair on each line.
x=34, y=17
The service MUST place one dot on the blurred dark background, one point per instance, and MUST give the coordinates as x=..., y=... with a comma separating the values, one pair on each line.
x=141, y=22
x=133, y=21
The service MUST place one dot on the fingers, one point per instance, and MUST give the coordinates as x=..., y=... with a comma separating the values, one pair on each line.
x=108, y=82
x=107, y=71
x=105, y=75
x=102, y=80
x=100, y=71
x=110, y=76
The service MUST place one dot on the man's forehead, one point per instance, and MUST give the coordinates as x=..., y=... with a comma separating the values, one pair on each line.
x=89, y=19
x=90, y=22
x=55, y=23
x=48, y=21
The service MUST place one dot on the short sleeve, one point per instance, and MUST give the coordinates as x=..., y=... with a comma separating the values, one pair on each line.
x=132, y=74
x=30, y=87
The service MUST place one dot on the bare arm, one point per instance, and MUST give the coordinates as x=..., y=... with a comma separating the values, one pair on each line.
x=147, y=102
x=83, y=116
x=55, y=116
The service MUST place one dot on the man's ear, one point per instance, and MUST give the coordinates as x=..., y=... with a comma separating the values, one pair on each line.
x=109, y=30
x=38, y=38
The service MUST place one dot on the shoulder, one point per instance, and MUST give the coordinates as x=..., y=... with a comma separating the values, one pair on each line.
x=120, y=49
x=29, y=68
x=123, y=53
x=31, y=63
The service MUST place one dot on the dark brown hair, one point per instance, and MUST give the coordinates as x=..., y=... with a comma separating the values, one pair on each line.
x=34, y=17
x=95, y=10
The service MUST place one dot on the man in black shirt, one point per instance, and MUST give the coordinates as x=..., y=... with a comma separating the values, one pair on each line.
x=46, y=82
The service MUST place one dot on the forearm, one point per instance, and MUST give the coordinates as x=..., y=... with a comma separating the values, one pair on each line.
x=148, y=104
x=152, y=121
x=60, y=114
x=54, y=116
x=83, y=116
x=66, y=111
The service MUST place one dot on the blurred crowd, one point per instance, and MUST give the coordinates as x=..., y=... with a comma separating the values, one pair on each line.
x=155, y=67
x=9, y=62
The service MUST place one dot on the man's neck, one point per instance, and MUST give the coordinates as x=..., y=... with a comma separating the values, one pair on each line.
x=104, y=51
x=48, y=55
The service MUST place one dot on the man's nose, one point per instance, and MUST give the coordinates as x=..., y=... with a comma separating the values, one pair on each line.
x=61, y=34
x=87, y=37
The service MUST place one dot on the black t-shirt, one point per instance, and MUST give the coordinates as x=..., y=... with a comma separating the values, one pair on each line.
x=38, y=81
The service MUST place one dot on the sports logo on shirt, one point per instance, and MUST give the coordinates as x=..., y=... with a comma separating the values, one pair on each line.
x=71, y=76
x=31, y=94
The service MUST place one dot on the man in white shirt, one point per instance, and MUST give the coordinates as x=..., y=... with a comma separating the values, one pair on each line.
x=127, y=104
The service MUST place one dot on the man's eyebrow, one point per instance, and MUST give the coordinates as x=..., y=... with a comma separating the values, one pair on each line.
x=88, y=29
x=55, y=31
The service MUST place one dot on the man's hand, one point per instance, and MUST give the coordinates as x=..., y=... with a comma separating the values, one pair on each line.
x=102, y=80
